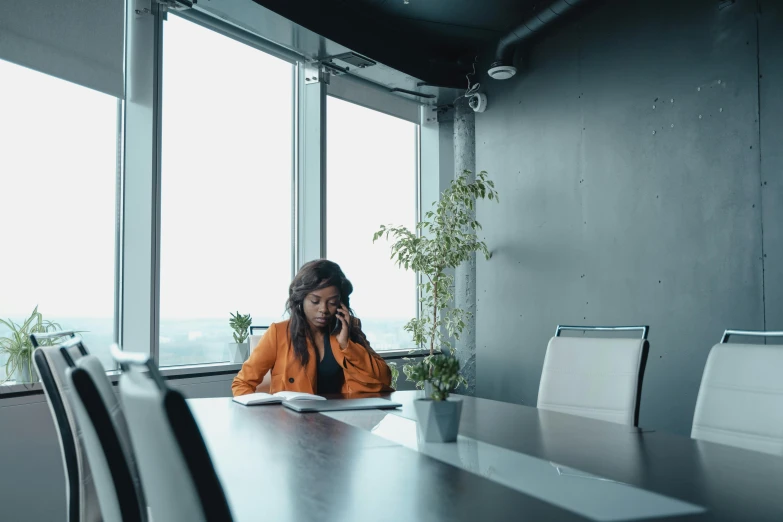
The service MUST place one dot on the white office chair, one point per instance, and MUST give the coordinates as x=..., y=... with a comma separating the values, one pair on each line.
x=177, y=474
x=266, y=384
x=598, y=378
x=740, y=401
x=106, y=441
x=82, y=499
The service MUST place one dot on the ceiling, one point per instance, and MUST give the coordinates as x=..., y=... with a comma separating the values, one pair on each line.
x=433, y=40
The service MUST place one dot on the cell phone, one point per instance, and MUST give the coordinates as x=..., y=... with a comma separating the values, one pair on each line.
x=338, y=324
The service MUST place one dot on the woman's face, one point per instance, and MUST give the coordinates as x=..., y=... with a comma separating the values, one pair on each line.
x=320, y=306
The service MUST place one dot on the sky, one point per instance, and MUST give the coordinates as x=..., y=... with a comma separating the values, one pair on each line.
x=371, y=181
x=226, y=189
x=58, y=157
x=226, y=176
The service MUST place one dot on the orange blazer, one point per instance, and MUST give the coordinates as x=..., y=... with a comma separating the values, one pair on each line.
x=365, y=370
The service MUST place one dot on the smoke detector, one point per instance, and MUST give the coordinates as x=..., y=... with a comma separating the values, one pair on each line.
x=502, y=72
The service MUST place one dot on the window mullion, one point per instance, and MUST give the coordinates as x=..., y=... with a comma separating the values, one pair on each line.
x=140, y=263
x=429, y=179
x=311, y=175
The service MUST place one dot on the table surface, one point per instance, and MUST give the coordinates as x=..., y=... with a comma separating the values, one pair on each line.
x=277, y=464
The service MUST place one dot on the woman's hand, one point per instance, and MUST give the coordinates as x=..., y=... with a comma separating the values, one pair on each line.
x=344, y=316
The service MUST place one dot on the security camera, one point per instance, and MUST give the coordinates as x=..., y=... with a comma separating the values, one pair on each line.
x=478, y=102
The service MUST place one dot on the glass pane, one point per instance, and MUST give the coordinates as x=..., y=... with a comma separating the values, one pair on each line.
x=226, y=190
x=371, y=166
x=58, y=180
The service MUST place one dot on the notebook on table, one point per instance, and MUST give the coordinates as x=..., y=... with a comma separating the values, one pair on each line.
x=341, y=404
x=252, y=399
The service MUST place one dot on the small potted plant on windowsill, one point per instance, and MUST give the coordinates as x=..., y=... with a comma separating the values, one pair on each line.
x=438, y=415
x=238, y=350
x=19, y=348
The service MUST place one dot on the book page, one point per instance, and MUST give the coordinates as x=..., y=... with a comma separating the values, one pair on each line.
x=256, y=398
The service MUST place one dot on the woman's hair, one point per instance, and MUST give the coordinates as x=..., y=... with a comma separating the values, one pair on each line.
x=316, y=275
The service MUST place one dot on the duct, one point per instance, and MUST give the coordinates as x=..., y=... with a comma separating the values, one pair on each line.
x=502, y=67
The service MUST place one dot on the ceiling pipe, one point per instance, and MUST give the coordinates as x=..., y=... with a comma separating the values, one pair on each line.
x=502, y=67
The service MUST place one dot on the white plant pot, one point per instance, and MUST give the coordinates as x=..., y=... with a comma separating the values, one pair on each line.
x=238, y=352
x=438, y=421
x=26, y=372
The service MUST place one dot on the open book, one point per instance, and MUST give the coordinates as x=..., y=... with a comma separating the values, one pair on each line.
x=265, y=398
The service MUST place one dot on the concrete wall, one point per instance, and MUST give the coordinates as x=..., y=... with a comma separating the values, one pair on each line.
x=639, y=185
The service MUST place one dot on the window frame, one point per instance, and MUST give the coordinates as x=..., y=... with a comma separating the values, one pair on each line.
x=9, y=384
x=138, y=226
x=203, y=23
x=139, y=319
x=372, y=99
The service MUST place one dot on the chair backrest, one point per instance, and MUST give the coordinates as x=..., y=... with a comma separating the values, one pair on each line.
x=740, y=401
x=82, y=500
x=599, y=378
x=253, y=340
x=177, y=474
x=106, y=442
x=255, y=337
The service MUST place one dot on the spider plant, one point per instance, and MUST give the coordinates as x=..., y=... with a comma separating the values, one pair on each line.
x=18, y=346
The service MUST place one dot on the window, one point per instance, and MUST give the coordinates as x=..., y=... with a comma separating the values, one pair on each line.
x=226, y=200
x=58, y=183
x=371, y=180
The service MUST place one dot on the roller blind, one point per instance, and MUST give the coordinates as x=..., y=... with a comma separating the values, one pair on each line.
x=80, y=41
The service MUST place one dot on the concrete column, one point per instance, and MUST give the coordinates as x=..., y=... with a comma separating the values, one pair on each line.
x=465, y=275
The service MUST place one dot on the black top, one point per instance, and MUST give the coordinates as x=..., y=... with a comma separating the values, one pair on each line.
x=330, y=375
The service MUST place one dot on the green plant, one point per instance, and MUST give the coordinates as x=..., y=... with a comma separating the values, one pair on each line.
x=418, y=372
x=444, y=240
x=240, y=323
x=18, y=346
x=395, y=373
x=440, y=370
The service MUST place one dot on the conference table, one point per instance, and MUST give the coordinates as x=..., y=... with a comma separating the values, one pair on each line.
x=510, y=462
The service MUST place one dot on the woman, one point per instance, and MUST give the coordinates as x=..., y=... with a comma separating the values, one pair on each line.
x=321, y=348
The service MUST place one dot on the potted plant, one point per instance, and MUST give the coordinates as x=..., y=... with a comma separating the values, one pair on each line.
x=438, y=415
x=446, y=238
x=19, y=348
x=238, y=350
